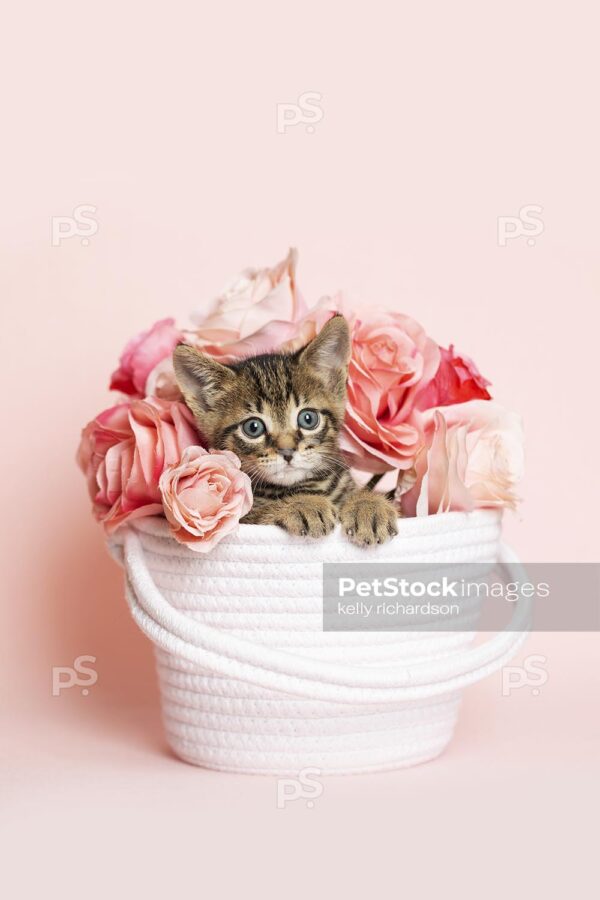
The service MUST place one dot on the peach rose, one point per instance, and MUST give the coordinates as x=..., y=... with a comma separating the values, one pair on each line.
x=456, y=381
x=123, y=453
x=392, y=360
x=141, y=355
x=256, y=313
x=473, y=457
x=204, y=496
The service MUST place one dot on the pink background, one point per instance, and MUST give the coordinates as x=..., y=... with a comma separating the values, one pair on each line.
x=437, y=119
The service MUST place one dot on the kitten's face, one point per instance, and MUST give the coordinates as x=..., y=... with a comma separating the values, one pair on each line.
x=278, y=420
x=281, y=414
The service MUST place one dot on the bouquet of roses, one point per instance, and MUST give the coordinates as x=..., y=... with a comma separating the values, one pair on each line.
x=419, y=415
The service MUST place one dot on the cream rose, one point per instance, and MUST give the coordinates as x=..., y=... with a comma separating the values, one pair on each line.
x=473, y=457
x=256, y=313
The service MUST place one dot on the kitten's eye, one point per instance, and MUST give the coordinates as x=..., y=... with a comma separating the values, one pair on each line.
x=253, y=428
x=308, y=419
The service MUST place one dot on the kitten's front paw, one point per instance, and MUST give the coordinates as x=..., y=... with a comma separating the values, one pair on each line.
x=368, y=518
x=309, y=516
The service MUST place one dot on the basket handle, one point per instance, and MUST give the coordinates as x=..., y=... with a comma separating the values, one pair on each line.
x=233, y=657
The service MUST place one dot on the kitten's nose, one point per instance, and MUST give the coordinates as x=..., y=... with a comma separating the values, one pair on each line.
x=286, y=453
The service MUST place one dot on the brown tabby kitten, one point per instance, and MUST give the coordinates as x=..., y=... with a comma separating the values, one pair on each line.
x=281, y=414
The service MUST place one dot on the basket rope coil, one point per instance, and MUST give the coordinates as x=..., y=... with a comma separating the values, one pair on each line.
x=251, y=683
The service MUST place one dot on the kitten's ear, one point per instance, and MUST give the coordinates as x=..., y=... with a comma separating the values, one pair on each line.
x=202, y=380
x=328, y=355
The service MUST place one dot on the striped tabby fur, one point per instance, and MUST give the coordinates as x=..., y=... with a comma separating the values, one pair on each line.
x=281, y=414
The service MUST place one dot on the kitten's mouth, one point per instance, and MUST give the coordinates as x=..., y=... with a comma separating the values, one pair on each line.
x=289, y=474
x=284, y=473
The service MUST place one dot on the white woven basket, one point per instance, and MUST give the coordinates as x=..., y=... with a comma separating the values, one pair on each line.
x=251, y=683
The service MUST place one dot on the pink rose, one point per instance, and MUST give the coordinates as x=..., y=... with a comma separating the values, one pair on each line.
x=392, y=360
x=456, y=381
x=141, y=355
x=257, y=313
x=204, y=497
x=123, y=453
x=473, y=457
